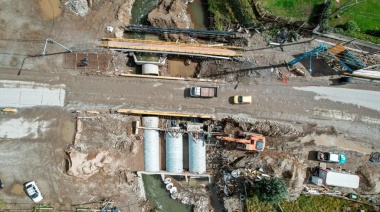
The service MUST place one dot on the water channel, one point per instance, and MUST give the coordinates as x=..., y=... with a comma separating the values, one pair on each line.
x=156, y=192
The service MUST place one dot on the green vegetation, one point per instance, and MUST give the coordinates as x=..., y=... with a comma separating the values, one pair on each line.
x=231, y=11
x=298, y=10
x=41, y=208
x=2, y=205
x=271, y=190
x=323, y=203
x=366, y=17
x=254, y=204
x=309, y=203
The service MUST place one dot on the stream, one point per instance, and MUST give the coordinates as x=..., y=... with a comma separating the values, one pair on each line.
x=157, y=193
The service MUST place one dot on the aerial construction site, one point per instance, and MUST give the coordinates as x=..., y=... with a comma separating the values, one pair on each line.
x=138, y=105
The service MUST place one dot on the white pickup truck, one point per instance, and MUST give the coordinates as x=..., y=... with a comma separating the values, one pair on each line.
x=203, y=92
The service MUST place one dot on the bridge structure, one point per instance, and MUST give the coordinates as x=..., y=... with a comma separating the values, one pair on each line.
x=160, y=47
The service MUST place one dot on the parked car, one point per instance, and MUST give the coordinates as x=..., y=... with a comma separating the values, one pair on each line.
x=242, y=99
x=33, y=191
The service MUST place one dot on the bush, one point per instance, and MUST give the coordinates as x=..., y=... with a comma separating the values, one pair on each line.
x=271, y=190
x=351, y=26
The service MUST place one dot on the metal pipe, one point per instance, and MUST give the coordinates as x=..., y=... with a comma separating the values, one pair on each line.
x=48, y=39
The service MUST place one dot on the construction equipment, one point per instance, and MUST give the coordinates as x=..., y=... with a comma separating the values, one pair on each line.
x=250, y=142
x=338, y=52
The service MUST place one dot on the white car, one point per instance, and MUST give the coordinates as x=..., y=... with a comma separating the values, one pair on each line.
x=33, y=191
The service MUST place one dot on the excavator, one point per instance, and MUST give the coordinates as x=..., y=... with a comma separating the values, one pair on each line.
x=249, y=142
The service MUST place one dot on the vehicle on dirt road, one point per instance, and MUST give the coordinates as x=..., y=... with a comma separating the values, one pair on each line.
x=242, y=99
x=33, y=191
x=250, y=142
x=331, y=157
x=203, y=92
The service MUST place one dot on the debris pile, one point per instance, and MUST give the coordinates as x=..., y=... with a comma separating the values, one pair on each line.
x=194, y=196
x=171, y=13
x=79, y=7
x=268, y=128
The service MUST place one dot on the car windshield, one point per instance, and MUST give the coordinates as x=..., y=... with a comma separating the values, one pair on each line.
x=32, y=191
x=240, y=99
x=35, y=195
x=259, y=145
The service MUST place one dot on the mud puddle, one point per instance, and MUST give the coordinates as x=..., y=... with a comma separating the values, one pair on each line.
x=326, y=140
x=67, y=131
x=198, y=13
x=49, y=9
x=177, y=68
x=17, y=189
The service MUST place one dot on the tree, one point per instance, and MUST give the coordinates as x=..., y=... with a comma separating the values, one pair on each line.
x=271, y=190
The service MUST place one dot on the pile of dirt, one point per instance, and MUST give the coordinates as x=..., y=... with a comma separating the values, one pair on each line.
x=84, y=165
x=171, y=13
x=124, y=13
x=369, y=178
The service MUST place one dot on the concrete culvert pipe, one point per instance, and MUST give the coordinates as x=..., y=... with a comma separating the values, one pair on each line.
x=150, y=69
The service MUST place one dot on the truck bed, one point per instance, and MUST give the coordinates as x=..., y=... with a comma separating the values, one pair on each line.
x=209, y=91
x=322, y=156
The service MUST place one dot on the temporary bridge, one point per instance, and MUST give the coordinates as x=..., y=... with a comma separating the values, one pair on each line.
x=149, y=46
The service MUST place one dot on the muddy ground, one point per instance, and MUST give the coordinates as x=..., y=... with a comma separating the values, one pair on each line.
x=295, y=123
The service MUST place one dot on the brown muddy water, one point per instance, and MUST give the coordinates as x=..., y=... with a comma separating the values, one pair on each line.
x=49, y=9
x=177, y=68
x=198, y=13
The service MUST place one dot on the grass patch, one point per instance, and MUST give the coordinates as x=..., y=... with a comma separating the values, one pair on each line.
x=309, y=203
x=299, y=10
x=253, y=204
x=365, y=15
x=231, y=11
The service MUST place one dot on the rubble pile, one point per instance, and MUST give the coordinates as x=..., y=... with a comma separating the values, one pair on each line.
x=194, y=196
x=78, y=7
x=171, y=13
x=268, y=128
